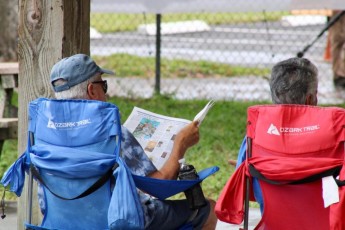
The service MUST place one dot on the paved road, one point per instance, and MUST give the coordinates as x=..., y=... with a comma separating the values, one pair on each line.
x=247, y=44
x=10, y=221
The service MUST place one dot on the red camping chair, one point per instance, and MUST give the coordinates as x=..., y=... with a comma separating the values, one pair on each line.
x=289, y=149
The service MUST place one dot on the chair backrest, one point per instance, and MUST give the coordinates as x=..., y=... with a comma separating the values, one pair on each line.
x=288, y=143
x=75, y=143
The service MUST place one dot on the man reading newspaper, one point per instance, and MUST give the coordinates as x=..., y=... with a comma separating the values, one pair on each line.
x=79, y=77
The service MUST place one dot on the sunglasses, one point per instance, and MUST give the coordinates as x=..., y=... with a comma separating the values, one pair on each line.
x=104, y=85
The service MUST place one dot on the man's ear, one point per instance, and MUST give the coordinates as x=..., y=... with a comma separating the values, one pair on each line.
x=91, y=91
x=95, y=94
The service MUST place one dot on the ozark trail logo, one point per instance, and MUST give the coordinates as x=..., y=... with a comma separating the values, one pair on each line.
x=273, y=130
x=51, y=124
x=292, y=130
x=68, y=125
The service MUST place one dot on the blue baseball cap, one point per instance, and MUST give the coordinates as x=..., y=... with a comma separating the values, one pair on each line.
x=74, y=70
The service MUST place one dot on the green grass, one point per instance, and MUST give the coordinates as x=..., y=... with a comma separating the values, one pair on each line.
x=116, y=22
x=177, y=68
x=221, y=134
x=7, y=157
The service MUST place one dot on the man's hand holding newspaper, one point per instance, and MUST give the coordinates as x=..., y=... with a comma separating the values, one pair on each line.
x=156, y=133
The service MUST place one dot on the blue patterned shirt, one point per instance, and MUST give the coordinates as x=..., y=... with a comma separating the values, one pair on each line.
x=134, y=155
x=138, y=162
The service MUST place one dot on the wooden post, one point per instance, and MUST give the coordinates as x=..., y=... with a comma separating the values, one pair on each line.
x=48, y=31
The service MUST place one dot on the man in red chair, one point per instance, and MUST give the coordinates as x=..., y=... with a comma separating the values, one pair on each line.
x=79, y=77
x=296, y=151
x=293, y=81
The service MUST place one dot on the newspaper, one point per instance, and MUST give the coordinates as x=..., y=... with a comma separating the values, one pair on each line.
x=156, y=133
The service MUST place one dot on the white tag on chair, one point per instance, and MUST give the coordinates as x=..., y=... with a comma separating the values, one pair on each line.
x=330, y=191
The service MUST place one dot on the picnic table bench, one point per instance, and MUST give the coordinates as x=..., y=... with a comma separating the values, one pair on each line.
x=8, y=112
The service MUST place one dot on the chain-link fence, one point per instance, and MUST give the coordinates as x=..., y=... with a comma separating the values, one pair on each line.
x=222, y=56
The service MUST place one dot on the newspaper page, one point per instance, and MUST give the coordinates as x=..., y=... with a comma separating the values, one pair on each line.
x=155, y=133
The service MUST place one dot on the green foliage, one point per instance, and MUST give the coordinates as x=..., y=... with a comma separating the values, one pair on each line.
x=112, y=22
x=117, y=22
x=127, y=65
x=7, y=157
x=14, y=99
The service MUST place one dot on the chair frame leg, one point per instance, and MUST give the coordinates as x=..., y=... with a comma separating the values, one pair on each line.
x=29, y=207
x=30, y=185
x=246, y=202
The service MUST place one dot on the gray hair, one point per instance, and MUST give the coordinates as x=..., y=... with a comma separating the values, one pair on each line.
x=293, y=80
x=78, y=91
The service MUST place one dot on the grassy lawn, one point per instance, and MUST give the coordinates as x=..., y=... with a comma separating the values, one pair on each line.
x=220, y=134
x=117, y=22
x=176, y=68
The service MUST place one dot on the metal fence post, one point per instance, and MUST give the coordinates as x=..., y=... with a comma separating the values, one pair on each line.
x=158, y=53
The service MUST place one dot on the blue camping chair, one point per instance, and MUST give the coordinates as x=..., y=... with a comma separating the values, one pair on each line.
x=73, y=152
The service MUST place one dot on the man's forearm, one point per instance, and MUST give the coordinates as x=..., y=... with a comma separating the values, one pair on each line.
x=186, y=138
x=171, y=167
